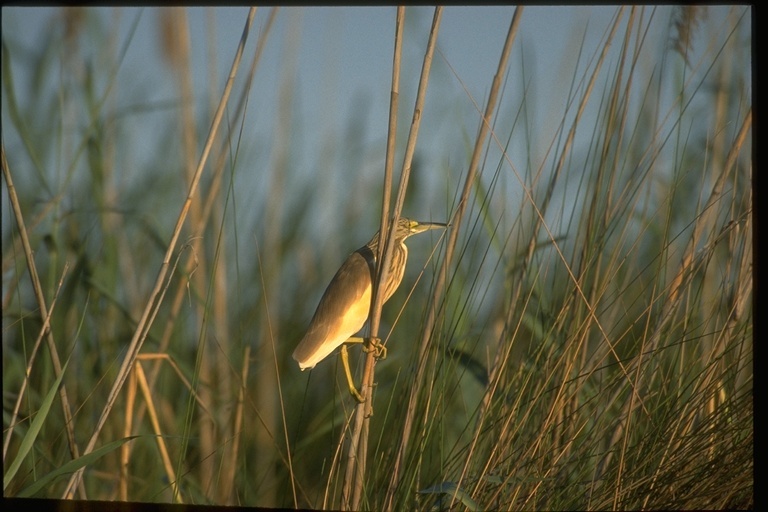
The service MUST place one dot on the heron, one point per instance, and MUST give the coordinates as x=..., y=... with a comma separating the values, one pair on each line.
x=347, y=301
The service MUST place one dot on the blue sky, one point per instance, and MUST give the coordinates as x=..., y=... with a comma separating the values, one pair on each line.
x=337, y=62
x=340, y=53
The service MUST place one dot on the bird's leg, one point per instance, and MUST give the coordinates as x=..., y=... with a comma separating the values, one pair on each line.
x=369, y=345
x=345, y=361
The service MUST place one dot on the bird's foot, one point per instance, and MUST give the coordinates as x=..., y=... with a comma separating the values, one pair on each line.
x=376, y=346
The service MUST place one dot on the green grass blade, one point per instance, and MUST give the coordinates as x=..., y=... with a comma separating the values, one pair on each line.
x=34, y=429
x=73, y=465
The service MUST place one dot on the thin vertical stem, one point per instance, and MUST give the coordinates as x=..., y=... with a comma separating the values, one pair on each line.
x=354, y=448
x=363, y=411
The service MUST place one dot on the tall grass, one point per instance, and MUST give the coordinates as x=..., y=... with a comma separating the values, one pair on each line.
x=580, y=339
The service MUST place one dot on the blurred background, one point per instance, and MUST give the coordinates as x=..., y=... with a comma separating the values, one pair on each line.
x=618, y=175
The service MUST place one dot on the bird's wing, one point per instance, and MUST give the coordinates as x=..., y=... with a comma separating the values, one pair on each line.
x=342, y=311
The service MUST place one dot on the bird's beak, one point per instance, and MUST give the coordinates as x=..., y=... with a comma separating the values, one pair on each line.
x=420, y=227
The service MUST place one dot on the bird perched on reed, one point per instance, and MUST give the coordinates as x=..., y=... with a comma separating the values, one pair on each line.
x=346, y=303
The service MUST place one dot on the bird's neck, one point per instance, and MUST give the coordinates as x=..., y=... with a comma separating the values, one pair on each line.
x=369, y=253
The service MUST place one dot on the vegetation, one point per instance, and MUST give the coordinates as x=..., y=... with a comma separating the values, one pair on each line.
x=580, y=338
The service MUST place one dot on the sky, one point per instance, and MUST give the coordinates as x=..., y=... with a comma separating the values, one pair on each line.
x=342, y=55
x=337, y=63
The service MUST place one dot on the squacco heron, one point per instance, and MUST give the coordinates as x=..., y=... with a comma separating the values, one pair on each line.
x=346, y=303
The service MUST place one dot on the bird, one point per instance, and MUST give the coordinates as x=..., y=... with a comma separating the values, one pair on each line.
x=346, y=303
